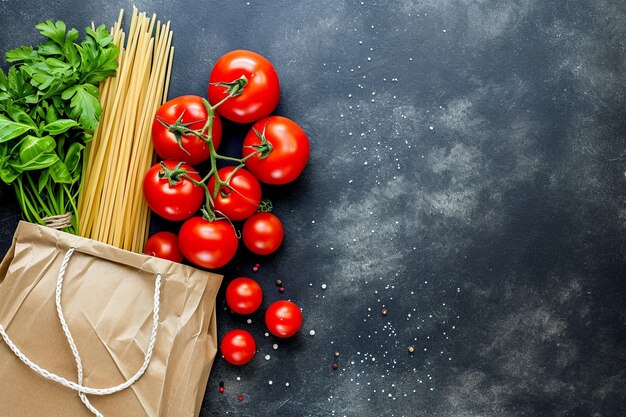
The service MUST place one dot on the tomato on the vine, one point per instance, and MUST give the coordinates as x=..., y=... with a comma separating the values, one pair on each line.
x=178, y=200
x=283, y=319
x=240, y=198
x=164, y=245
x=263, y=233
x=208, y=244
x=244, y=295
x=260, y=95
x=171, y=126
x=285, y=154
x=238, y=347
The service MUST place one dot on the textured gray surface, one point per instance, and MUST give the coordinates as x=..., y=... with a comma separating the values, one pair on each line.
x=467, y=173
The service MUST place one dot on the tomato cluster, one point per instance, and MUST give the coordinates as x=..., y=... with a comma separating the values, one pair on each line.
x=186, y=132
x=244, y=296
x=243, y=88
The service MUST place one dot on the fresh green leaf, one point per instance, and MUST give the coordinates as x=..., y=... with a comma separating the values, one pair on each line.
x=99, y=68
x=52, y=115
x=7, y=173
x=61, y=146
x=43, y=161
x=54, y=31
x=71, y=35
x=10, y=129
x=71, y=54
x=31, y=99
x=59, y=126
x=84, y=105
x=15, y=82
x=20, y=116
x=49, y=48
x=43, y=180
x=22, y=53
x=59, y=173
x=72, y=158
x=3, y=81
x=101, y=35
x=58, y=67
x=33, y=147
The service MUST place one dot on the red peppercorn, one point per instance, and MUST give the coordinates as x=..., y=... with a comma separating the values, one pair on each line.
x=335, y=366
x=281, y=290
x=255, y=268
x=240, y=398
x=221, y=389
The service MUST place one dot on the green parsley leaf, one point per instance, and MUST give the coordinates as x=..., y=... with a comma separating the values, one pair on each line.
x=84, y=105
x=20, y=54
x=54, y=31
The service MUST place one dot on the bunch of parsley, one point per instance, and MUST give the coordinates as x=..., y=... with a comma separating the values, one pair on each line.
x=49, y=110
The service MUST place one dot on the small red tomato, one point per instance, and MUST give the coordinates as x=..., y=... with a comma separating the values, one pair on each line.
x=260, y=95
x=171, y=121
x=238, y=347
x=172, y=202
x=244, y=295
x=164, y=245
x=263, y=233
x=208, y=244
x=241, y=198
x=289, y=150
x=283, y=319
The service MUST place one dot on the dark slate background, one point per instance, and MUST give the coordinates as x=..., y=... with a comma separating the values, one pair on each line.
x=467, y=173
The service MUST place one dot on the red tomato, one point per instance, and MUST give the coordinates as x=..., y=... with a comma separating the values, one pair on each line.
x=263, y=233
x=164, y=245
x=283, y=319
x=289, y=154
x=238, y=347
x=260, y=96
x=244, y=295
x=241, y=198
x=208, y=244
x=188, y=109
x=172, y=202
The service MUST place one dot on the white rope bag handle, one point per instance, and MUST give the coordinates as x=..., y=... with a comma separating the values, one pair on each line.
x=77, y=386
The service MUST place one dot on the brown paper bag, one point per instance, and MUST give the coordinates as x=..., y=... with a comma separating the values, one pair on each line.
x=107, y=298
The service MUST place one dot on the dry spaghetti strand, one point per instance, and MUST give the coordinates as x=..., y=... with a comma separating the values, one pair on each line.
x=111, y=205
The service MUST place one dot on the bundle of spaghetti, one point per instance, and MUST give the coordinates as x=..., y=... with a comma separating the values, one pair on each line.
x=112, y=208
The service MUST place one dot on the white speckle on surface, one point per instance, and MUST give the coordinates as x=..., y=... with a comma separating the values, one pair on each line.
x=312, y=332
x=267, y=357
x=324, y=286
x=275, y=346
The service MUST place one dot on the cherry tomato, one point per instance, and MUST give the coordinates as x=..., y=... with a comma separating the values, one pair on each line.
x=244, y=295
x=241, y=198
x=207, y=244
x=164, y=245
x=283, y=319
x=238, y=347
x=289, y=154
x=263, y=233
x=172, y=202
x=260, y=96
x=190, y=111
